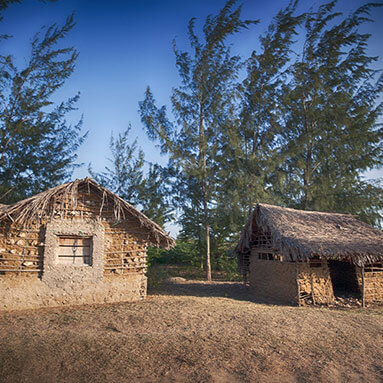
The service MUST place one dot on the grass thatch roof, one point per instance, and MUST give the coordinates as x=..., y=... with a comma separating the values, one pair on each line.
x=42, y=206
x=300, y=235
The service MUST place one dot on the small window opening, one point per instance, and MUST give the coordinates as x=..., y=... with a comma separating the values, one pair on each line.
x=374, y=268
x=315, y=263
x=75, y=250
x=269, y=257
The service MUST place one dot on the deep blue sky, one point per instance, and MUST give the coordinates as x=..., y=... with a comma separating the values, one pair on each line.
x=125, y=46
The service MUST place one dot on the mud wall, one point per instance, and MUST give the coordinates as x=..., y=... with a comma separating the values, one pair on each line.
x=291, y=282
x=125, y=248
x=21, y=250
x=27, y=293
x=31, y=277
x=373, y=285
x=273, y=280
x=314, y=282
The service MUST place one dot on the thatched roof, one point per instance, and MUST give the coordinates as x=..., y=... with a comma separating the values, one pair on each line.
x=42, y=206
x=300, y=235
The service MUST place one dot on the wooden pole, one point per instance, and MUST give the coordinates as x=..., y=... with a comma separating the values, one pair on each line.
x=298, y=285
x=363, y=289
x=312, y=286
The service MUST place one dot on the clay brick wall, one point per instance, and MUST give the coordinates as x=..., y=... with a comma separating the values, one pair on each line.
x=373, y=290
x=285, y=281
x=125, y=248
x=19, y=293
x=373, y=285
x=123, y=265
x=21, y=250
x=315, y=284
x=273, y=280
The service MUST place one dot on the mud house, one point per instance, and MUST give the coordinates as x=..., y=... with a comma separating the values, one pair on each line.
x=298, y=257
x=73, y=244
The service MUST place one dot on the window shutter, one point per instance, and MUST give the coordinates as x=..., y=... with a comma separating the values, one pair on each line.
x=75, y=250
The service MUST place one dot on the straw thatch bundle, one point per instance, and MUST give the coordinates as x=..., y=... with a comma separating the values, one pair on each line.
x=42, y=206
x=299, y=235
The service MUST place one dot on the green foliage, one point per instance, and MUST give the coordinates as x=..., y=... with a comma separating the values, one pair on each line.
x=330, y=109
x=184, y=253
x=155, y=195
x=201, y=104
x=298, y=131
x=4, y=4
x=245, y=158
x=188, y=254
x=159, y=274
x=126, y=177
x=38, y=146
x=308, y=125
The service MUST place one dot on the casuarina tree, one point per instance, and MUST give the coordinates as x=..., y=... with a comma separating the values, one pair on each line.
x=200, y=105
x=37, y=144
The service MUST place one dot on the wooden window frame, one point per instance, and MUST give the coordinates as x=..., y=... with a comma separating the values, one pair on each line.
x=61, y=273
x=70, y=253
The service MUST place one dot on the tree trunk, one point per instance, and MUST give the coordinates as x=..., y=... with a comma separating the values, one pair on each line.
x=207, y=234
x=204, y=191
x=308, y=162
x=200, y=251
x=307, y=179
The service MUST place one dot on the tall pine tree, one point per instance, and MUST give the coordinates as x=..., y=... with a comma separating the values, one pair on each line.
x=126, y=177
x=155, y=195
x=37, y=145
x=200, y=105
x=248, y=140
x=330, y=110
x=125, y=174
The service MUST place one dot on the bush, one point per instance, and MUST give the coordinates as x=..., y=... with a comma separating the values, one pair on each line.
x=184, y=253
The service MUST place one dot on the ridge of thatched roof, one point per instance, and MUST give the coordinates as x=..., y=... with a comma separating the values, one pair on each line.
x=299, y=235
x=43, y=205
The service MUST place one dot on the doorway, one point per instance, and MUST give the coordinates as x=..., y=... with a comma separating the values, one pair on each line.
x=344, y=279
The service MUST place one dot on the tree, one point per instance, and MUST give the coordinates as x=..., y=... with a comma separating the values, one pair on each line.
x=200, y=105
x=155, y=195
x=248, y=139
x=4, y=4
x=37, y=145
x=125, y=176
x=330, y=115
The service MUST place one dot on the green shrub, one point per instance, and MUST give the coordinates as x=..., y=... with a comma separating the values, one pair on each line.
x=184, y=253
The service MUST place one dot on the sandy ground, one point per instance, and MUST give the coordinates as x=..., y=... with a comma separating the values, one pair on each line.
x=190, y=331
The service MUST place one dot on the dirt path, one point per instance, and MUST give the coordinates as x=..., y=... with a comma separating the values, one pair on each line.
x=190, y=331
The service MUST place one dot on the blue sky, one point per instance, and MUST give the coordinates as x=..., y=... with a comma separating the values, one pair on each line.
x=125, y=46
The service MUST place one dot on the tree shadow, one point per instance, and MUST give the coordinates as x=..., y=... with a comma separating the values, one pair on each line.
x=230, y=290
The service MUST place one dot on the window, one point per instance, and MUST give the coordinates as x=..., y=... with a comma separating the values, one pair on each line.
x=269, y=256
x=315, y=262
x=75, y=250
x=374, y=268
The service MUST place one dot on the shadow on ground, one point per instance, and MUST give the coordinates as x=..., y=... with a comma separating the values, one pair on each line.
x=232, y=290
x=180, y=287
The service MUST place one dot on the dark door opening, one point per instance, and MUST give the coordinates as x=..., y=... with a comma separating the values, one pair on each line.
x=343, y=278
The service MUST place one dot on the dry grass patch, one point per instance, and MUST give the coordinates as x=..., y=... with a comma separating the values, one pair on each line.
x=190, y=331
